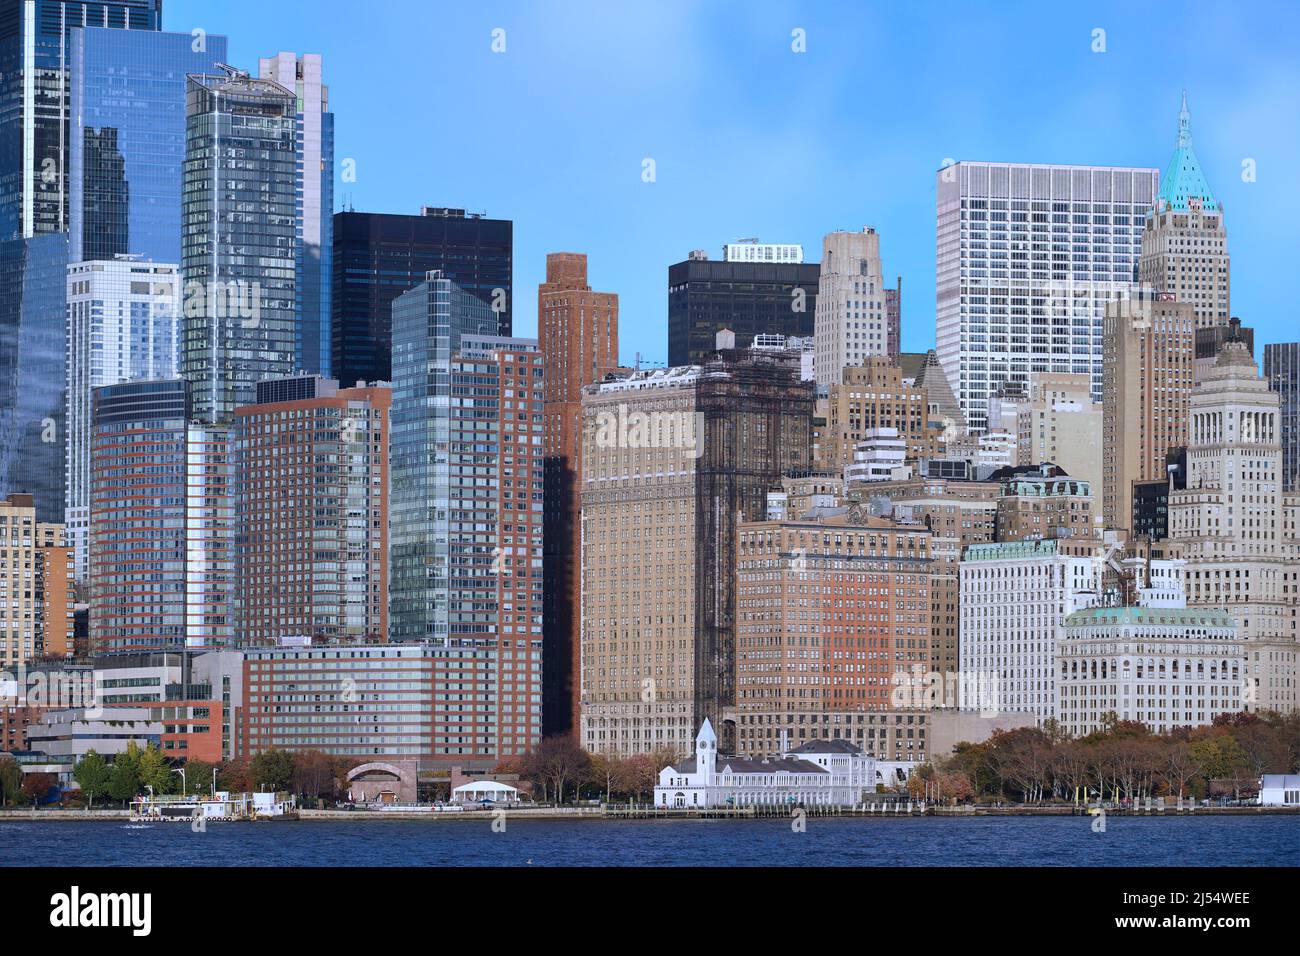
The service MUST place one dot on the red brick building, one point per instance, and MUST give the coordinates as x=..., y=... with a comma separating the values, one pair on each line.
x=309, y=490
x=578, y=335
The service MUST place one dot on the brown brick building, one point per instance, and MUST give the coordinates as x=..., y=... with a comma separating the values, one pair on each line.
x=578, y=337
x=309, y=488
x=830, y=609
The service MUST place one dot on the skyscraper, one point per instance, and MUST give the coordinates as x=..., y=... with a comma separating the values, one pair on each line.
x=314, y=251
x=126, y=140
x=122, y=325
x=1282, y=369
x=673, y=459
x=379, y=256
x=852, y=313
x=1028, y=256
x=1147, y=362
x=1184, y=241
x=35, y=55
x=578, y=336
x=309, y=495
x=159, y=521
x=240, y=240
x=1236, y=527
x=705, y=296
x=466, y=506
x=35, y=58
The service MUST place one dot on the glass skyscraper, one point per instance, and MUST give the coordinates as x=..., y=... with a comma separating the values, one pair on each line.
x=429, y=323
x=239, y=241
x=126, y=142
x=35, y=61
x=315, y=198
x=379, y=256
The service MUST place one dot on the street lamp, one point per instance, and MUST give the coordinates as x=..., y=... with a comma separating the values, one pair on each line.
x=181, y=771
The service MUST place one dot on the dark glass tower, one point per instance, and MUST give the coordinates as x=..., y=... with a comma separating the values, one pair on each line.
x=35, y=61
x=749, y=298
x=378, y=256
x=239, y=240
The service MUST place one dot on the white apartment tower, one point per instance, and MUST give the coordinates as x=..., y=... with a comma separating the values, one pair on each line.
x=1027, y=257
x=1231, y=522
x=852, y=319
x=1014, y=598
x=123, y=318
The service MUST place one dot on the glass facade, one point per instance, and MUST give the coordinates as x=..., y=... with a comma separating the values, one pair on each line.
x=315, y=204
x=33, y=275
x=35, y=60
x=239, y=241
x=378, y=257
x=428, y=323
x=749, y=298
x=126, y=144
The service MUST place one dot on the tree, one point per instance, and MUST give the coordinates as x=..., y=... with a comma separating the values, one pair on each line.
x=124, y=781
x=154, y=771
x=272, y=770
x=11, y=780
x=233, y=776
x=92, y=774
x=1221, y=757
x=198, y=776
x=556, y=761
x=37, y=786
x=955, y=786
x=314, y=774
x=1181, y=766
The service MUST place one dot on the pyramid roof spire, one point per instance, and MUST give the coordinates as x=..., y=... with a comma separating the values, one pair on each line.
x=1184, y=182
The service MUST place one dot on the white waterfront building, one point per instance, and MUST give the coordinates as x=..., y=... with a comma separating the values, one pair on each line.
x=1163, y=667
x=1014, y=596
x=820, y=773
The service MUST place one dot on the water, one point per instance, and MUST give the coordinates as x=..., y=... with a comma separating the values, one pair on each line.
x=922, y=841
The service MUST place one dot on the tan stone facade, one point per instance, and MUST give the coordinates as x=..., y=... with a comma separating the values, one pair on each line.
x=1231, y=524
x=35, y=585
x=1061, y=424
x=1148, y=350
x=870, y=396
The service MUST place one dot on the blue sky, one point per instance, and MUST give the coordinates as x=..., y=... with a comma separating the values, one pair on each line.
x=752, y=139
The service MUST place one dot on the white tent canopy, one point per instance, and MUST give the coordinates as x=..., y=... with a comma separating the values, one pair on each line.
x=485, y=790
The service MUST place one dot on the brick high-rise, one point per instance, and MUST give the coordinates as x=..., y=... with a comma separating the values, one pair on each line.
x=309, y=490
x=578, y=336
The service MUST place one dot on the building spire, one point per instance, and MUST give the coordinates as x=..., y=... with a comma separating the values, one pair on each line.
x=1184, y=125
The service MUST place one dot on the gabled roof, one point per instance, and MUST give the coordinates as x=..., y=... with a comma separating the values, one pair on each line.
x=1184, y=181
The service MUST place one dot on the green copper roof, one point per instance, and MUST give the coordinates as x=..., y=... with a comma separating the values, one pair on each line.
x=1183, y=180
x=1166, y=616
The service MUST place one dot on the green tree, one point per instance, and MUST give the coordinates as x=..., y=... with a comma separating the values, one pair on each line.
x=272, y=770
x=11, y=780
x=198, y=776
x=124, y=781
x=154, y=771
x=92, y=774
